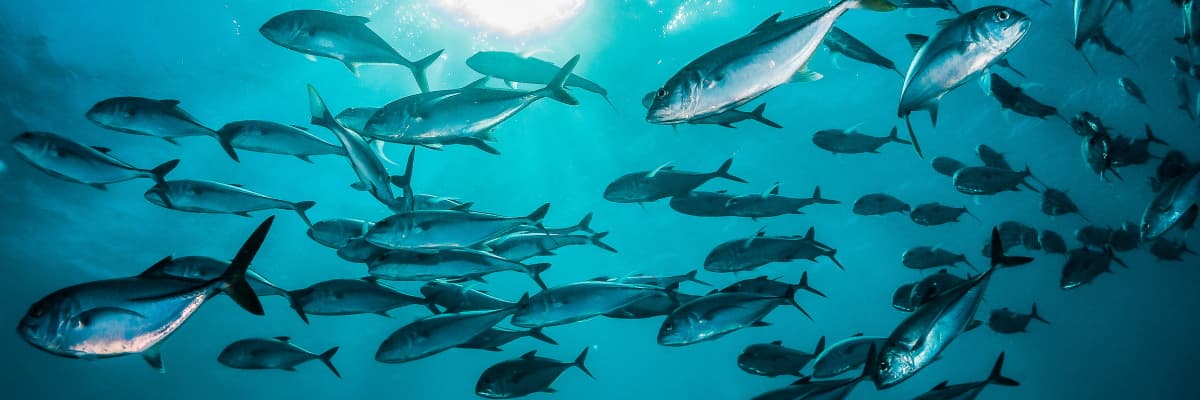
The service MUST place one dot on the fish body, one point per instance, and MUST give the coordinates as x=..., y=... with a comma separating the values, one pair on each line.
x=147, y=117
x=844, y=356
x=439, y=229
x=970, y=390
x=946, y=166
x=773, y=359
x=719, y=314
x=349, y=297
x=1083, y=266
x=338, y=233
x=851, y=142
x=275, y=138
x=524, y=376
x=514, y=68
x=275, y=353
x=203, y=269
x=449, y=263
x=1052, y=242
x=926, y=257
x=434, y=334
x=840, y=42
x=457, y=298
x=933, y=214
x=525, y=245
x=372, y=176
x=1013, y=97
x=68, y=160
x=772, y=204
x=703, y=204
x=200, y=196
x=1176, y=202
x=493, y=338
x=879, y=204
x=1003, y=320
x=989, y=181
x=579, y=301
x=664, y=181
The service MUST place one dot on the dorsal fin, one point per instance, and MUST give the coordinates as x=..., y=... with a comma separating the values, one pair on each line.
x=104, y=150
x=760, y=233
x=916, y=41
x=284, y=339
x=767, y=22
x=530, y=355
x=940, y=386
x=156, y=269
x=772, y=191
x=811, y=234
x=665, y=166
x=170, y=102
x=777, y=343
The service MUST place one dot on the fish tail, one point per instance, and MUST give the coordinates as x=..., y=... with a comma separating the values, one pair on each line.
x=234, y=278
x=816, y=197
x=820, y=346
x=998, y=257
x=540, y=213
x=691, y=277
x=912, y=136
x=159, y=173
x=418, y=69
x=1034, y=314
x=996, y=378
x=1154, y=139
x=535, y=272
x=790, y=298
x=584, y=224
x=556, y=89
x=536, y=333
x=895, y=136
x=320, y=113
x=757, y=114
x=327, y=358
x=723, y=171
x=226, y=143
x=803, y=285
x=302, y=209
x=595, y=239
x=296, y=306
x=579, y=363
x=873, y=5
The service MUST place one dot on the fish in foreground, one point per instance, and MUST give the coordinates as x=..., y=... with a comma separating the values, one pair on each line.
x=579, y=301
x=840, y=42
x=1013, y=97
x=772, y=359
x=971, y=390
x=150, y=117
x=344, y=38
x=441, y=229
x=1178, y=201
x=879, y=204
x=434, y=334
x=716, y=315
x=275, y=138
x=200, y=196
x=372, y=176
x=355, y=118
x=1003, y=320
x=664, y=181
x=516, y=68
x=851, y=142
x=845, y=355
x=925, y=333
x=275, y=353
x=349, y=297
x=493, y=338
x=526, y=375
x=116, y=317
x=961, y=49
x=71, y=161
x=774, y=53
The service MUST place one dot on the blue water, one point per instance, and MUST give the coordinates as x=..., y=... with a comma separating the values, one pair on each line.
x=1129, y=334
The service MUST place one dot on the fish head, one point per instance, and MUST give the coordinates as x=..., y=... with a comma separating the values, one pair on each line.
x=679, y=329
x=286, y=30
x=155, y=194
x=1000, y=28
x=112, y=113
x=1156, y=222
x=47, y=324
x=235, y=355
x=893, y=366
x=34, y=145
x=679, y=99
x=492, y=385
x=626, y=189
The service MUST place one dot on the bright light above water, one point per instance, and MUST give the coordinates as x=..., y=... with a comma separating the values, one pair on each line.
x=515, y=17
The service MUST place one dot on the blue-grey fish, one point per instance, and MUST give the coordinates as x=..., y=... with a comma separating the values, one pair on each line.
x=116, y=317
x=519, y=68
x=337, y=233
x=728, y=118
x=439, y=229
x=1084, y=265
x=360, y=251
x=961, y=49
x=1056, y=202
x=840, y=42
x=771, y=287
x=372, y=176
x=653, y=306
x=1191, y=25
x=716, y=315
x=463, y=116
x=970, y=390
x=806, y=388
x=664, y=282
x=218, y=198
x=947, y=5
x=911, y=296
x=453, y=297
x=349, y=297
x=355, y=118
x=758, y=250
x=925, y=333
x=879, y=204
x=1178, y=201
x=493, y=338
x=703, y=204
x=1003, y=320
x=274, y=353
x=1184, y=93
x=1014, y=98
x=579, y=301
x=434, y=334
x=1174, y=165
x=662, y=182
x=1052, y=242
x=1132, y=89
x=926, y=257
x=774, y=53
x=851, y=142
x=344, y=38
x=772, y=359
x=526, y=375
x=71, y=161
x=933, y=214
x=275, y=138
x=772, y=204
x=989, y=181
x=459, y=264
x=845, y=355
x=525, y=245
x=992, y=157
x=1169, y=250
x=203, y=269
x=1089, y=22
x=946, y=166
x=149, y=117
x=1126, y=238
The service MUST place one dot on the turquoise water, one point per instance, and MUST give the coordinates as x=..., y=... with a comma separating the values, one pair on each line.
x=1128, y=334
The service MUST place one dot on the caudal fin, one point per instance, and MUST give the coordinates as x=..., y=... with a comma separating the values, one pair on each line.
x=691, y=277
x=895, y=137
x=535, y=272
x=302, y=209
x=536, y=333
x=803, y=285
x=234, y=278
x=998, y=257
x=816, y=197
x=320, y=113
x=418, y=69
x=820, y=346
x=1034, y=314
x=557, y=89
x=1154, y=139
x=327, y=358
x=757, y=114
x=584, y=224
x=579, y=363
x=790, y=298
x=595, y=239
x=912, y=136
x=996, y=378
x=159, y=173
x=723, y=172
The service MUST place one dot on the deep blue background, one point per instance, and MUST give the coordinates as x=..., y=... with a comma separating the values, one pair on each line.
x=1131, y=334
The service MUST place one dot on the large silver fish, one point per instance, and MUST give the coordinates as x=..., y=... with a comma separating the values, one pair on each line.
x=438, y=229
x=373, y=177
x=116, y=317
x=463, y=116
x=74, y=162
x=273, y=353
x=514, y=68
x=719, y=314
x=149, y=117
x=774, y=53
x=275, y=138
x=1173, y=204
x=579, y=301
x=961, y=49
x=437, y=333
x=200, y=196
x=340, y=37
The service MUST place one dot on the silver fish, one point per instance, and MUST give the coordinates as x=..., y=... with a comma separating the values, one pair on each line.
x=149, y=117
x=879, y=204
x=716, y=315
x=1173, y=204
x=579, y=301
x=662, y=182
x=71, y=161
x=989, y=181
x=492, y=339
x=203, y=269
x=926, y=257
x=526, y=245
x=703, y=204
x=946, y=166
x=665, y=282
x=275, y=138
x=218, y=198
x=1191, y=25
x=772, y=204
x=1132, y=89
x=275, y=353
x=355, y=118
x=840, y=42
x=845, y=355
x=526, y=375
x=434, y=334
x=774, y=53
x=439, y=229
x=340, y=37
x=773, y=359
x=971, y=390
x=450, y=263
x=372, y=176
x=933, y=214
x=850, y=142
x=516, y=68
x=349, y=297
x=1003, y=320
x=360, y=251
x=116, y=317
x=337, y=233
x=456, y=298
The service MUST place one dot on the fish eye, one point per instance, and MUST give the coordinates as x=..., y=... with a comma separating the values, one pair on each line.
x=884, y=365
x=662, y=93
x=1002, y=15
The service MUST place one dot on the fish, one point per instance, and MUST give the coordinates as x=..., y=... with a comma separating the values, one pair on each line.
x=1056, y=202
x=360, y=251
x=1087, y=125
x=71, y=161
x=436, y=333
x=664, y=282
x=925, y=333
x=1089, y=19
x=772, y=359
x=662, y=182
x=716, y=315
x=946, y=166
x=733, y=116
x=653, y=306
x=1127, y=238
x=449, y=263
x=879, y=204
x=274, y=353
x=453, y=297
x=1003, y=320
x=150, y=117
x=934, y=214
x=373, y=177
x=1185, y=97
x=133, y=315
x=1099, y=154
x=772, y=204
x=349, y=297
x=841, y=43
x=1083, y=266
x=961, y=49
x=344, y=38
x=806, y=388
x=991, y=157
x=204, y=269
x=1173, y=165
x=1014, y=98
x=584, y=225
x=493, y=338
x=771, y=287
x=275, y=138
x=338, y=233
x=1052, y=242
x=468, y=115
x=911, y=296
x=845, y=355
x=1191, y=25
x=1132, y=89
x=525, y=245
x=1168, y=250
x=1182, y=66
x=1091, y=235
x=926, y=257
x=355, y=118
x=774, y=53
x=1178, y=201
x=526, y=375
x=851, y=142
x=201, y=196
x=989, y=181
x=1127, y=151
x=947, y=5
x=758, y=250
x=703, y=204
x=516, y=68
x=579, y=301
x=971, y=390
x=428, y=230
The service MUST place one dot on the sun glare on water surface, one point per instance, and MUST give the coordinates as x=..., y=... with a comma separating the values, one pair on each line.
x=514, y=17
